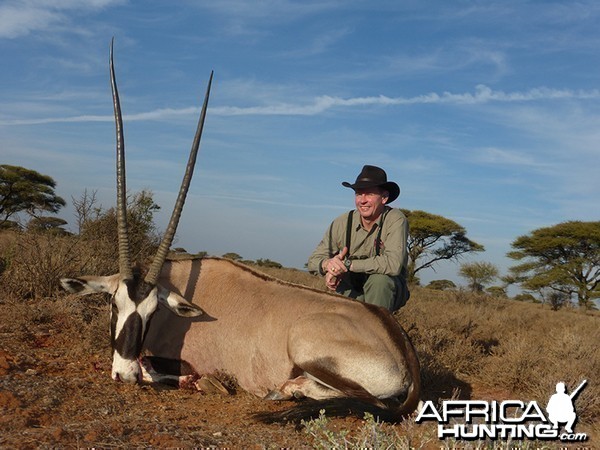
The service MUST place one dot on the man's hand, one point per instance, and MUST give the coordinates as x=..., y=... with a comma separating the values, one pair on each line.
x=332, y=281
x=335, y=266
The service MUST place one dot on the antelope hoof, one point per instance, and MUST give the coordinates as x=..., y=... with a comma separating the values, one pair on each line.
x=276, y=395
x=299, y=395
x=210, y=385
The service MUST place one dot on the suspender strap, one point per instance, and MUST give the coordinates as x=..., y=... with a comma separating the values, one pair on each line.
x=330, y=241
x=349, y=231
x=378, y=240
x=348, y=234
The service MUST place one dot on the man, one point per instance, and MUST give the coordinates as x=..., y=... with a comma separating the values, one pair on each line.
x=363, y=254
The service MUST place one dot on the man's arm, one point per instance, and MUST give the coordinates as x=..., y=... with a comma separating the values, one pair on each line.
x=320, y=254
x=329, y=256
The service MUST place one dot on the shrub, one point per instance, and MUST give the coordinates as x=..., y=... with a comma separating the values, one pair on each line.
x=526, y=297
x=32, y=262
x=441, y=285
x=371, y=434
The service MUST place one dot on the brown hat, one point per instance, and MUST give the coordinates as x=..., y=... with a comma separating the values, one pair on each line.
x=372, y=176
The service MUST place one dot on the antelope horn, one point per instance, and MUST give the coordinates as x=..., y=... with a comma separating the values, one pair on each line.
x=167, y=240
x=125, y=269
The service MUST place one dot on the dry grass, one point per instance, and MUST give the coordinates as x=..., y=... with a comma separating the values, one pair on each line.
x=470, y=346
x=33, y=263
x=501, y=345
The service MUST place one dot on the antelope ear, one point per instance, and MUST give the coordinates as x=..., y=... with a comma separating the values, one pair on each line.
x=177, y=304
x=90, y=284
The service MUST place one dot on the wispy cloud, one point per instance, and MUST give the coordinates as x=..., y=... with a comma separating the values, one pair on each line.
x=18, y=21
x=268, y=9
x=495, y=156
x=245, y=200
x=20, y=18
x=451, y=57
x=319, y=44
x=243, y=18
x=321, y=104
x=158, y=114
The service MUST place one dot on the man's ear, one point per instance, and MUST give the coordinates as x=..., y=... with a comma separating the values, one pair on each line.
x=385, y=195
x=177, y=304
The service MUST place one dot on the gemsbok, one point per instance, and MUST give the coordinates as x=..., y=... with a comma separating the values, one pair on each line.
x=276, y=339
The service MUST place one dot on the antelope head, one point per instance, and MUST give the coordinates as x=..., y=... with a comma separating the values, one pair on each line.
x=134, y=297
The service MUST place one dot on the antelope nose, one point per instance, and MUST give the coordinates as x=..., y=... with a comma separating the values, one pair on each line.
x=126, y=377
x=131, y=378
x=125, y=370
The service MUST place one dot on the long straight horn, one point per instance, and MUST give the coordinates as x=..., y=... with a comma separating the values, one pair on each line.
x=165, y=245
x=124, y=253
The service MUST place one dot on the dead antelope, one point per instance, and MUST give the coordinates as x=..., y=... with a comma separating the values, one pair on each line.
x=278, y=340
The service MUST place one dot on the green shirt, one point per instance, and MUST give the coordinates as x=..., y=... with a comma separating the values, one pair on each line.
x=393, y=257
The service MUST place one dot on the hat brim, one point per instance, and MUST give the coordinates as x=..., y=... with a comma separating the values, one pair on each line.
x=390, y=186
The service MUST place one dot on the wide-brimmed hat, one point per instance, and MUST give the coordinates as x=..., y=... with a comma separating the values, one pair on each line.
x=372, y=176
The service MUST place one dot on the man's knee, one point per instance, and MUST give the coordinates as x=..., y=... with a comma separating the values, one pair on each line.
x=381, y=290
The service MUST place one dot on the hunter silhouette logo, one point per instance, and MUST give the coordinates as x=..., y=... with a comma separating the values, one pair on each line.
x=560, y=406
x=509, y=419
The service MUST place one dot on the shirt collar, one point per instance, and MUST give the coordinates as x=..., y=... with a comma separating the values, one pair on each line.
x=358, y=226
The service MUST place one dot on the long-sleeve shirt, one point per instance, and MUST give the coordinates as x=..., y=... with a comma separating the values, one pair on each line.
x=393, y=254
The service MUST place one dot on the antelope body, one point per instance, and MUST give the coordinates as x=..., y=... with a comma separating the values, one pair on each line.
x=278, y=340
x=266, y=332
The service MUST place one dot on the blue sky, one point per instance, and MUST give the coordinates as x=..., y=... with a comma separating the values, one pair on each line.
x=487, y=113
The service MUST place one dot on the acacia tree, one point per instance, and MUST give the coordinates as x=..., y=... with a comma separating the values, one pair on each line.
x=434, y=238
x=563, y=258
x=26, y=190
x=48, y=225
x=232, y=256
x=478, y=274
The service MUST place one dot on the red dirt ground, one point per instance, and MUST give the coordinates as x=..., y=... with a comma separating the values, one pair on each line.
x=56, y=391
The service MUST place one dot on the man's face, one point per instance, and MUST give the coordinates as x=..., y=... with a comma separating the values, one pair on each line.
x=370, y=202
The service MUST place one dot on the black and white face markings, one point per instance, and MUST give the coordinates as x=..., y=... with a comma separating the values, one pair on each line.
x=135, y=300
x=133, y=305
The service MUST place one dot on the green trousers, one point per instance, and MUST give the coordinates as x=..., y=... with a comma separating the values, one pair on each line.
x=381, y=290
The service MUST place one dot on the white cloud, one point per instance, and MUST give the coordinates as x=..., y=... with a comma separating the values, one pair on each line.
x=319, y=44
x=321, y=104
x=17, y=21
x=267, y=9
x=20, y=18
x=495, y=156
x=482, y=94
